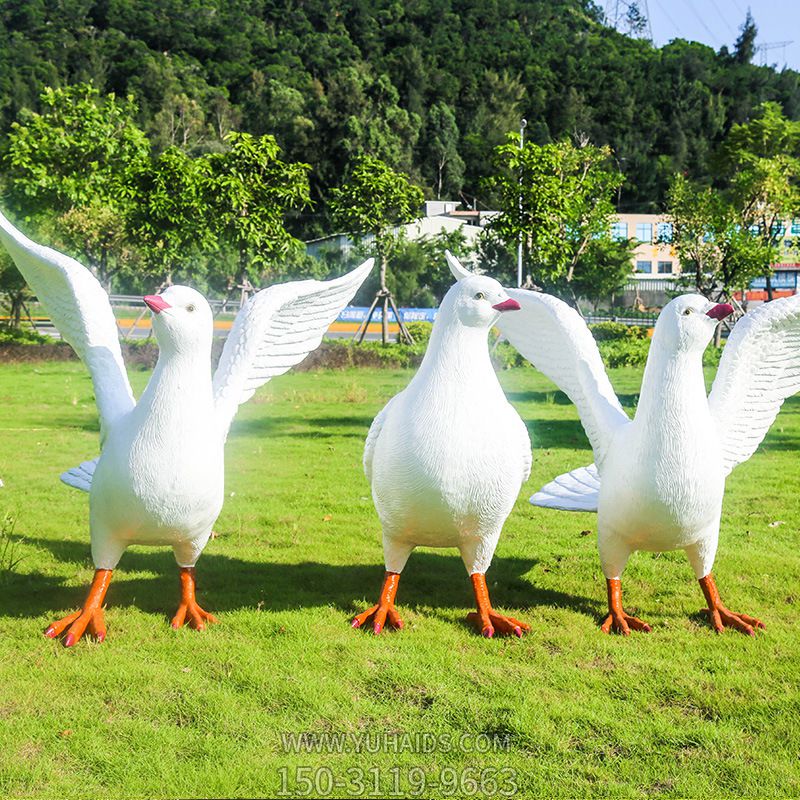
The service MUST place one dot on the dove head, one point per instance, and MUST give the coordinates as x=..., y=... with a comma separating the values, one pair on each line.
x=182, y=319
x=475, y=300
x=687, y=323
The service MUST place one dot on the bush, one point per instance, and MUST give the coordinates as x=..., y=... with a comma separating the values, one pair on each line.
x=9, y=335
x=613, y=331
x=712, y=355
x=630, y=352
x=420, y=331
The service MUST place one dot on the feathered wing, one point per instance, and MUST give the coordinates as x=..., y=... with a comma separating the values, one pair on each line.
x=759, y=369
x=578, y=490
x=555, y=339
x=80, y=477
x=276, y=329
x=79, y=308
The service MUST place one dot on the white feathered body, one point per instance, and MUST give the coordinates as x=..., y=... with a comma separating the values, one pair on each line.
x=662, y=479
x=160, y=479
x=658, y=480
x=160, y=476
x=447, y=456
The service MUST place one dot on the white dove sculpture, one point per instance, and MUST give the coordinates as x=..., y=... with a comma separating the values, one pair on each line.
x=159, y=478
x=658, y=479
x=446, y=456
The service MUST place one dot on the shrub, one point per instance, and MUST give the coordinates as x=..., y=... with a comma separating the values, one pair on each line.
x=420, y=331
x=629, y=352
x=9, y=335
x=610, y=331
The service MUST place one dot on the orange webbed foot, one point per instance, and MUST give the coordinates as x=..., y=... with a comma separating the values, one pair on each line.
x=493, y=623
x=189, y=611
x=623, y=623
x=486, y=619
x=380, y=614
x=384, y=610
x=618, y=620
x=89, y=618
x=720, y=617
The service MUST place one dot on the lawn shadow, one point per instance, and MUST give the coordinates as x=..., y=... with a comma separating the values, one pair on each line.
x=431, y=580
x=314, y=427
x=557, y=397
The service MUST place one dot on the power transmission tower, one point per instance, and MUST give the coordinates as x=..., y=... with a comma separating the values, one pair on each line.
x=631, y=17
x=767, y=46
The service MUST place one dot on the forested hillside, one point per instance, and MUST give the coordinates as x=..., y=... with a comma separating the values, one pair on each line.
x=430, y=86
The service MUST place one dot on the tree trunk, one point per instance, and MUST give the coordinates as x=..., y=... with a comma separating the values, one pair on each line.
x=769, y=286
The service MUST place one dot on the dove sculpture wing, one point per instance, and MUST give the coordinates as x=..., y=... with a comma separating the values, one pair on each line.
x=79, y=308
x=556, y=340
x=759, y=369
x=276, y=329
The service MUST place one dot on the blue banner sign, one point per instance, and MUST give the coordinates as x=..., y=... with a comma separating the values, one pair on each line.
x=359, y=314
x=781, y=279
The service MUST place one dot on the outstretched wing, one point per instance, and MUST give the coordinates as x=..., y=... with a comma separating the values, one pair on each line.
x=79, y=308
x=759, y=369
x=555, y=339
x=276, y=329
x=578, y=490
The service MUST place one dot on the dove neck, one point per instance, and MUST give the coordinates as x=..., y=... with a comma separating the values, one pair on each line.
x=673, y=386
x=181, y=371
x=457, y=350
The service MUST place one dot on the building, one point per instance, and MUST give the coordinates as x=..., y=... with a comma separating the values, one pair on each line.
x=438, y=216
x=654, y=256
x=656, y=267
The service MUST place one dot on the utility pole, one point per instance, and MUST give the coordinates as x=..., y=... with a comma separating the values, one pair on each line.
x=523, y=124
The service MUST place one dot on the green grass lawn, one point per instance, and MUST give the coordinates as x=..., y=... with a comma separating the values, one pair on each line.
x=566, y=711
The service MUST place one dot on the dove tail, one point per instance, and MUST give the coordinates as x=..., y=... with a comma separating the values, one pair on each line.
x=578, y=490
x=80, y=477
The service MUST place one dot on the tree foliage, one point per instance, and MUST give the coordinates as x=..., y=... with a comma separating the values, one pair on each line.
x=332, y=81
x=715, y=249
x=249, y=189
x=373, y=200
x=729, y=234
x=558, y=200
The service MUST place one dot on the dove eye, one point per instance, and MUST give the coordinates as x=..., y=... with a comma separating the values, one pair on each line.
x=190, y=307
x=480, y=296
x=687, y=312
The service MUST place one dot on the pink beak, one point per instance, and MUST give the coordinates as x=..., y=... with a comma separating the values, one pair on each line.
x=507, y=305
x=720, y=311
x=155, y=303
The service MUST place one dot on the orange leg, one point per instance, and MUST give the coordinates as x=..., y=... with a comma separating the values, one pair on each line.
x=384, y=609
x=617, y=620
x=188, y=607
x=485, y=619
x=90, y=616
x=720, y=617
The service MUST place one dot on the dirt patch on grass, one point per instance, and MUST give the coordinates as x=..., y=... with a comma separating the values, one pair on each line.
x=143, y=355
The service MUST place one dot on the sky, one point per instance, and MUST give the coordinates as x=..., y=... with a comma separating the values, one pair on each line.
x=717, y=23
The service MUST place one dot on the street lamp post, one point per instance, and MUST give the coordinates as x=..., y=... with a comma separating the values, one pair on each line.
x=523, y=124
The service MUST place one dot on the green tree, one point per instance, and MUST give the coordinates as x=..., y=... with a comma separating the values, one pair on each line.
x=602, y=271
x=73, y=162
x=714, y=246
x=557, y=199
x=760, y=162
x=171, y=221
x=13, y=288
x=443, y=145
x=373, y=201
x=248, y=190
